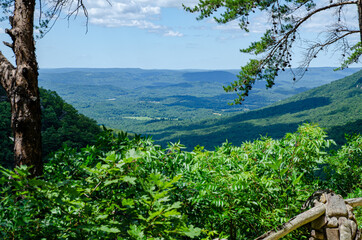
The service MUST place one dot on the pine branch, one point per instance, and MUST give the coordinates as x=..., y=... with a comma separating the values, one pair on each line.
x=284, y=39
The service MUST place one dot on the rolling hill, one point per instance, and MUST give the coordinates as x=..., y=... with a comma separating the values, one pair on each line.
x=336, y=106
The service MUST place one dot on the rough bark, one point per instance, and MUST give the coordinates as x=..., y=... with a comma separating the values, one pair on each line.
x=21, y=85
x=359, y=6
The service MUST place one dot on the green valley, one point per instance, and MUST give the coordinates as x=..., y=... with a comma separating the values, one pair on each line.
x=191, y=106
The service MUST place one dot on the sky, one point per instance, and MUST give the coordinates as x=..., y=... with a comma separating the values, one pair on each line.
x=159, y=34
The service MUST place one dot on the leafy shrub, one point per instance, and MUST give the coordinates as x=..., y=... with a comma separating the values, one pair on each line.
x=123, y=188
x=344, y=169
x=112, y=200
x=244, y=191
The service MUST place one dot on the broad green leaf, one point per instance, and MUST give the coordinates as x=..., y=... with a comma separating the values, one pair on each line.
x=131, y=180
x=109, y=229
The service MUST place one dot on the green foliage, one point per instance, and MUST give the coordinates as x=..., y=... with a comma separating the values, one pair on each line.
x=113, y=199
x=247, y=190
x=62, y=124
x=123, y=188
x=345, y=168
x=353, y=57
x=6, y=144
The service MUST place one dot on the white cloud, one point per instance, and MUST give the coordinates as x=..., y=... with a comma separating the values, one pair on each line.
x=133, y=13
x=230, y=26
x=173, y=34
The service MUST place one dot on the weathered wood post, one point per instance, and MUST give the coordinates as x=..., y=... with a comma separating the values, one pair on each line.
x=338, y=222
x=331, y=218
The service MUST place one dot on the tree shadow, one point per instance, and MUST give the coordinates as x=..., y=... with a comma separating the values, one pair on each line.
x=267, y=112
x=338, y=133
x=234, y=134
x=287, y=108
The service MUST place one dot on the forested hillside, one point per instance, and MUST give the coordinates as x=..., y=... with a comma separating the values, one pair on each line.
x=61, y=124
x=336, y=107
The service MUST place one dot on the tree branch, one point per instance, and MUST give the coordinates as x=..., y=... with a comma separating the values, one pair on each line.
x=10, y=45
x=7, y=72
x=284, y=39
x=54, y=12
x=316, y=48
x=321, y=9
x=354, y=202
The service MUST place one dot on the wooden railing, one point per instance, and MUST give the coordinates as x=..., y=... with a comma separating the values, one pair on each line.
x=331, y=218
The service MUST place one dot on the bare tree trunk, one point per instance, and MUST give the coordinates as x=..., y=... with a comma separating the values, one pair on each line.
x=21, y=85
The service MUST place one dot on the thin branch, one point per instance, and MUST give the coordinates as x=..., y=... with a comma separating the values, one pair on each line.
x=284, y=39
x=75, y=12
x=10, y=45
x=54, y=12
x=316, y=48
x=321, y=9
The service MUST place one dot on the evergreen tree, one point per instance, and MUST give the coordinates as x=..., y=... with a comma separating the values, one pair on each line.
x=276, y=45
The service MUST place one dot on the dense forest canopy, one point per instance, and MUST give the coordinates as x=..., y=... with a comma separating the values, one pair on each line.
x=335, y=106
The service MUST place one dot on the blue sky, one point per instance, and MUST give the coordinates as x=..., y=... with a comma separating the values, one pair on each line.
x=157, y=34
